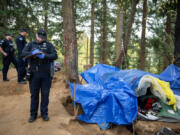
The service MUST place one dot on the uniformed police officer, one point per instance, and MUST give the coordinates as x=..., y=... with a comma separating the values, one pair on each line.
x=7, y=49
x=41, y=54
x=21, y=42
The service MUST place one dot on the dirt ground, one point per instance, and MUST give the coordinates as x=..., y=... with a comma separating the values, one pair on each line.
x=14, y=113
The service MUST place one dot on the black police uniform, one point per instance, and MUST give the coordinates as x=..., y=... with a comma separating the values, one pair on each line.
x=8, y=47
x=21, y=42
x=40, y=78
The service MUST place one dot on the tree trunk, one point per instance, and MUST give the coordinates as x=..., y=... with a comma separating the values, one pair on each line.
x=143, y=38
x=119, y=31
x=87, y=52
x=177, y=37
x=70, y=41
x=75, y=51
x=104, y=34
x=167, y=59
x=127, y=35
x=177, y=32
x=92, y=35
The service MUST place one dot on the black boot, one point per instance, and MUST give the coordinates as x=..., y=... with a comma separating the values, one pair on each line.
x=32, y=119
x=6, y=80
x=45, y=118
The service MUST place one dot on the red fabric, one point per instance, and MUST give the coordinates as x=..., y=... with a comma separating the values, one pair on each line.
x=149, y=103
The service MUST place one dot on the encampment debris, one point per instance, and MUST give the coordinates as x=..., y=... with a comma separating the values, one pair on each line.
x=109, y=95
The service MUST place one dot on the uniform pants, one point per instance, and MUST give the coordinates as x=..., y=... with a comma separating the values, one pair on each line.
x=21, y=69
x=40, y=81
x=6, y=62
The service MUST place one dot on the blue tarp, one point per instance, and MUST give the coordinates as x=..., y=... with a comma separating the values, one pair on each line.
x=95, y=74
x=105, y=101
x=172, y=75
x=108, y=96
x=132, y=77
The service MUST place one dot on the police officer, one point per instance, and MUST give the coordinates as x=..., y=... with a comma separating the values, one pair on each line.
x=41, y=54
x=7, y=49
x=21, y=42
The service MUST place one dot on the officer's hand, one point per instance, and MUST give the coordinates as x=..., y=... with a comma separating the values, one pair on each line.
x=5, y=54
x=41, y=56
x=36, y=51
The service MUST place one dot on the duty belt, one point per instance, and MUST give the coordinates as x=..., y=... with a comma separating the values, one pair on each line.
x=40, y=68
x=39, y=62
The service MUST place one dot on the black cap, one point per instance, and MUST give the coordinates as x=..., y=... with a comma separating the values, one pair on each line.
x=41, y=33
x=23, y=30
x=8, y=34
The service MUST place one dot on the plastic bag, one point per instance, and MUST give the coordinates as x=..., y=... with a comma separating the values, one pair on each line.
x=159, y=88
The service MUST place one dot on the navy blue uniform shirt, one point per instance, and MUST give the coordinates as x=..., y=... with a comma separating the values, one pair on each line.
x=40, y=64
x=21, y=43
x=7, y=46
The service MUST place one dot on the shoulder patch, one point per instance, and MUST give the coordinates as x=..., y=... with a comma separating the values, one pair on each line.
x=1, y=42
x=20, y=38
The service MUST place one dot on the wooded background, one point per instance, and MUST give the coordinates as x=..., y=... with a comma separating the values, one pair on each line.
x=125, y=33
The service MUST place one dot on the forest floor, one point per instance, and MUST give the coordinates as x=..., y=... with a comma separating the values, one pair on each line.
x=14, y=113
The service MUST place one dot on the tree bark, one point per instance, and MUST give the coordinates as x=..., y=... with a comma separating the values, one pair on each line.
x=119, y=31
x=167, y=59
x=104, y=34
x=87, y=52
x=143, y=38
x=70, y=41
x=177, y=37
x=127, y=35
x=177, y=33
x=75, y=51
x=92, y=35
